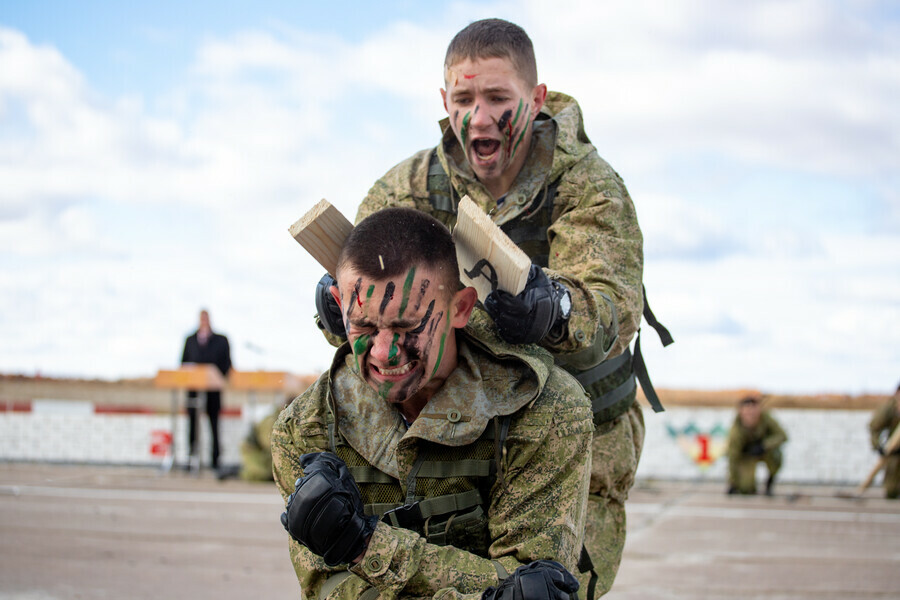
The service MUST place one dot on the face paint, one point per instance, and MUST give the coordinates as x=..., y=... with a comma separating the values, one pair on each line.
x=394, y=350
x=464, y=130
x=407, y=287
x=422, y=290
x=388, y=296
x=354, y=297
x=440, y=355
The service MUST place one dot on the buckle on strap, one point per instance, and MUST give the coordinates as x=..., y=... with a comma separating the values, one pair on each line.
x=408, y=516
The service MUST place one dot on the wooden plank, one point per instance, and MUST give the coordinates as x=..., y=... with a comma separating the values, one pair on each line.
x=486, y=255
x=322, y=232
x=203, y=377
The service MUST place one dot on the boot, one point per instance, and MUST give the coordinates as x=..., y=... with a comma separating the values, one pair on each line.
x=769, y=482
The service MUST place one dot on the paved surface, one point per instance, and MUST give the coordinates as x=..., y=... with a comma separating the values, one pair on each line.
x=112, y=532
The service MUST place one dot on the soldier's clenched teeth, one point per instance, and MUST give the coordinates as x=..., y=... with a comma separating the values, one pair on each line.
x=396, y=371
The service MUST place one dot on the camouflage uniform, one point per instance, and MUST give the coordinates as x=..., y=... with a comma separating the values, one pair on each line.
x=256, y=450
x=887, y=418
x=742, y=466
x=536, y=505
x=595, y=249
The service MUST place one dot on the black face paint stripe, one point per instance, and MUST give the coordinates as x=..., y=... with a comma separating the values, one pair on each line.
x=424, y=322
x=354, y=296
x=504, y=120
x=422, y=290
x=388, y=294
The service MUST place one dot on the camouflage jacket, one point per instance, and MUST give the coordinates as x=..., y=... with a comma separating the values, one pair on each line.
x=596, y=247
x=537, y=504
x=886, y=418
x=767, y=431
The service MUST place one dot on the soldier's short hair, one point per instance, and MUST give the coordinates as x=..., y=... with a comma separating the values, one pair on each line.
x=494, y=38
x=749, y=400
x=390, y=241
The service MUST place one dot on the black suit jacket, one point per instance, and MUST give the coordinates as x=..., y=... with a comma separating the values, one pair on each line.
x=215, y=352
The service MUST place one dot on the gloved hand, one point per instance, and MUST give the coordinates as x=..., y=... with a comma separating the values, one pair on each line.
x=330, y=317
x=754, y=449
x=539, y=580
x=528, y=317
x=325, y=512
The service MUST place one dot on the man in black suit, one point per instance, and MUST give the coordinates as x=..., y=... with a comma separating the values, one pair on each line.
x=206, y=347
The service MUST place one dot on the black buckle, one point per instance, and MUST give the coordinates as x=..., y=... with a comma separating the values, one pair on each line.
x=408, y=516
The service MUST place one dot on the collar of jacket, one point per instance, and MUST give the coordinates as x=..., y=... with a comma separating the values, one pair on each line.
x=492, y=378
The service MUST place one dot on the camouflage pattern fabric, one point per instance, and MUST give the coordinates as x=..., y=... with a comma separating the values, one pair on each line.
x=256, y=450
x=537, y=505
x=596, y=250
x=885, y=420
x=742, y=467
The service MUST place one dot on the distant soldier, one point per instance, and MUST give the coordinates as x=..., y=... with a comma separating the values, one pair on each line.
x=755, y=437
x=884, y=422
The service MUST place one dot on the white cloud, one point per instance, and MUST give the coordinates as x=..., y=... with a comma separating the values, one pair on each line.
x=121, y=217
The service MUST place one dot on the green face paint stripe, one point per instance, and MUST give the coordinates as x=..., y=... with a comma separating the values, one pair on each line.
x=385, y=389
x=441, y=347
x=518, y=112
x=393, y=351
x=516, y=147
x=464, y=132
x=370, y=291
x=407, y=287
x=359, y=346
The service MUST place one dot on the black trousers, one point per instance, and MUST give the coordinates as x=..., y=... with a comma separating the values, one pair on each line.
x=213, y=407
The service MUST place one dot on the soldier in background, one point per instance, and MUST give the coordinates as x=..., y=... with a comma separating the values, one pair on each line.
x=433, y=459
x=755, y=437
x=884, y=422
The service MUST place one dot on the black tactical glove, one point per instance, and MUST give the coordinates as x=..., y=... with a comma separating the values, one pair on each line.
x=330, y=317
x=543, y=306
x=540, y=580
x=325, y=512
x=754, y=449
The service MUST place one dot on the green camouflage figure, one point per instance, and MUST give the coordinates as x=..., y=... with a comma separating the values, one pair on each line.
x=256, y=449
x=464, y=458
x=884, y=422
x=754, y=437
x=521, y=153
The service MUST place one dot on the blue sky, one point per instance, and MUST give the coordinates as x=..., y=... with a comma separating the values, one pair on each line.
x=152, y=157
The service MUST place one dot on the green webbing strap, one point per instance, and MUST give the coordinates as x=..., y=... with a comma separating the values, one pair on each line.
x=459, y=468
x=615, y=395
x=331, y=441
x=440, y=505
x=369, y=474
x=370, y=594
x=332, y=582
x=439, y=194
x=664, y=336
x=603, y=369
x=502, y=573
x=585, y=564
x=411, y=479
x=379, y=508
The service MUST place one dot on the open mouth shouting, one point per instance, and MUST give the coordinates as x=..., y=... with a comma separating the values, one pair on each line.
x=485, y=150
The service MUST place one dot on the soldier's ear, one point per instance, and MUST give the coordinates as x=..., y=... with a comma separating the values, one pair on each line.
x=463, y=303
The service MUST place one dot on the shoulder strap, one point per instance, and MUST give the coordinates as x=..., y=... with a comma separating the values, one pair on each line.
x=640, y=367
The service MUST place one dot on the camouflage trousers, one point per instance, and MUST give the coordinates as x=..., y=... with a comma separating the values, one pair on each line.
x=892, y=477
x=617, y=449
x=742, y=470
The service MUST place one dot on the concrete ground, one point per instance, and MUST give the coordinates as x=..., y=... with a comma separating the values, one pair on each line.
x=113, y=532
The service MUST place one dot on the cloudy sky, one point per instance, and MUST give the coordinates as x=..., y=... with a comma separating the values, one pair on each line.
x=153, y=155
